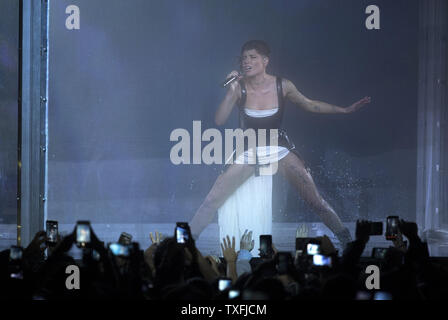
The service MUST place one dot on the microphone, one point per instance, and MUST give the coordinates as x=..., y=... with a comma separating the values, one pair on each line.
x=229, y=81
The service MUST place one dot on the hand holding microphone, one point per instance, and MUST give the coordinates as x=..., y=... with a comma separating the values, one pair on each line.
x=232, y=80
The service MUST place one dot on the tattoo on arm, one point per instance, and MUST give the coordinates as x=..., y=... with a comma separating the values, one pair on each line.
x=316, y=109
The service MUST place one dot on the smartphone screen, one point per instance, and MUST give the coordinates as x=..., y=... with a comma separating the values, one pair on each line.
x=265, y=245
x=119, y=249
x=301, y=244
x=15, y=264
x=15, y=253
x=322, y=261
x=224, y=284
x=52, y=231
x=379, y=253
x=391, y=227
x=182, y=232
x=234, y=294
x=83, y=233
x=312, y=249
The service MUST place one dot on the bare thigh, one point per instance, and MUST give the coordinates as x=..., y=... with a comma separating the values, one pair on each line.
x=224, y=186
x=293, y=169
x=228, y=182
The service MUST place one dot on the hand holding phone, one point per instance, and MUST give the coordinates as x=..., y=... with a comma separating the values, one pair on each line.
x=182, y=233
x=266, y=246
x=83, y=236
x=51, y=232
x=15, y=262
x=15, y=253
x=125, y=238
x=392, y=227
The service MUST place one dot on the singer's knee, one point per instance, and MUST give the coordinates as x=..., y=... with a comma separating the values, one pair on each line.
x=321, y=206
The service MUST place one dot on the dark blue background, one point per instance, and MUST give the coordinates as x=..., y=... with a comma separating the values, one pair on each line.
x=9, y=90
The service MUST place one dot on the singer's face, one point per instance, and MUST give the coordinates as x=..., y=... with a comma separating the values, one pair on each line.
x=253, y=63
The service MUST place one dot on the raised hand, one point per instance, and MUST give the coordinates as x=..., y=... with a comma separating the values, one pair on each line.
x=228, y=249
x=35, y=250
x=246, y=242
x=358, y=105
x=234, y=84
x=157, y=239
x=302, y=231
x=214, y=261
x=148, y=255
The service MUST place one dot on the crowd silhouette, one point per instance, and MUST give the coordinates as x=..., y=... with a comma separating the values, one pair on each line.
x=169, y=270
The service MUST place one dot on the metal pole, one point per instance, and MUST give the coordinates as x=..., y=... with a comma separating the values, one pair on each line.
x=33, y=119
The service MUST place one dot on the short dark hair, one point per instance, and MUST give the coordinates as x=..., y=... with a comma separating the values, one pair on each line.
x=261, y=46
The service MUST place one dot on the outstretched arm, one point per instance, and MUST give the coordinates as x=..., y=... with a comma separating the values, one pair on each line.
x=315, y=106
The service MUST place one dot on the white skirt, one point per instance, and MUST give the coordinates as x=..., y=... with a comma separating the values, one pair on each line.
x=250, y=206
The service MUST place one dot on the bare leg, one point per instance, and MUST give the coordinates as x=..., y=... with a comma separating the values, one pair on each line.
x=224, y=186
x=294, y=170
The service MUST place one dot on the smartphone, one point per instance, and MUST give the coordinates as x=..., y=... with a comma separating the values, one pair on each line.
x=322, y=261
x=125, y=238
x=182, y=232
x=15, y=264
x=312, y=249
x=301, y=244
x=234, y=294
x=376, y=229
x=119, y=249
x=52, y=232
x=379, y=253
x=82, y=233
x=95, y=255
x=392, y=227
x=15, y=253
x=284, y=260
x=265, y=245
x=224, y=284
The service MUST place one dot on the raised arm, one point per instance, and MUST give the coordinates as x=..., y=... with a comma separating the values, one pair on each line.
x=226, y=106
x=315, y=106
